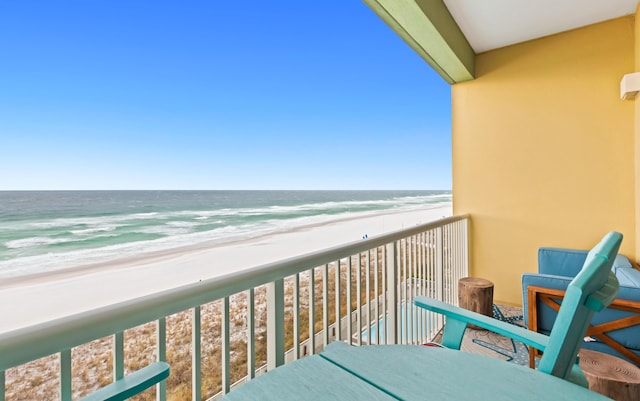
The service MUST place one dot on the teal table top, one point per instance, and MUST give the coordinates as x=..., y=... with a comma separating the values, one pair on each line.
x=405, y=372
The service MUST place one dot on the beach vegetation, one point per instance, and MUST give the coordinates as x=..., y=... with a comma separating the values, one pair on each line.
x=92, y=363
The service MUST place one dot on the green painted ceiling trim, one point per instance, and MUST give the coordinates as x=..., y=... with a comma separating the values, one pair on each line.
x=430, y=30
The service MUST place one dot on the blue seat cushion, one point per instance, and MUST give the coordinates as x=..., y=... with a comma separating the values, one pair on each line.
x=628, y=276
x=621, y=262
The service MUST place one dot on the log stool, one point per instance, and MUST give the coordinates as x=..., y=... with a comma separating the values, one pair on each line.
x=610, y=376
x=476, y=294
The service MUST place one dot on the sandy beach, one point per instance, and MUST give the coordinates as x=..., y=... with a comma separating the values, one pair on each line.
x=46, y=296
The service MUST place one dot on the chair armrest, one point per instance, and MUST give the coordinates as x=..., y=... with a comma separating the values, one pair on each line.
x=132, y=384
x=458, y=318
x=540, y=280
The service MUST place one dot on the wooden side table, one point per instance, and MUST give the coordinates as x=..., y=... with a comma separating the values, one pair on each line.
x=476, y=294
x=610, y=376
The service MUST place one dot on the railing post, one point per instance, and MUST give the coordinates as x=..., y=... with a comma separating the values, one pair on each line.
x=465, y=236
x=2, y=386
x=196, y=360
x=251, y=334
x=392, y=296
x=359, y=298
x=118, y=356
x=65, y=375
x=349, y=337
x=312, y=312
x=367, y=289
x=337, y=289
x=325, y=305
x=380, y=294
x=161, y=347
x=439, y=265
x=275, y=324
x=439, y=274
x=226, y=349
x=296, y=316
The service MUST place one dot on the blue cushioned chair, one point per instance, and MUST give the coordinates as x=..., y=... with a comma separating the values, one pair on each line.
x=615, y=330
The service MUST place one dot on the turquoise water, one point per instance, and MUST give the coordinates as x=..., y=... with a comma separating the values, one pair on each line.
x=45, y=230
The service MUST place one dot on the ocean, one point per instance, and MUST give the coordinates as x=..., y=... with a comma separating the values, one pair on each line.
x=48, y=230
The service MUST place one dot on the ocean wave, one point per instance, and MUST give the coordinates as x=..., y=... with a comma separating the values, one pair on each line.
x=93, y=221
x=86, y=231
x=166, y=231
x=33, y=242
x=144, y=215
x=396, y=202
x=52, y=261
x=183, y=224
x=48, y=242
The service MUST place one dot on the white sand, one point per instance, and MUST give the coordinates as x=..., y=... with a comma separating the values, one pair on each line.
x=43, y=297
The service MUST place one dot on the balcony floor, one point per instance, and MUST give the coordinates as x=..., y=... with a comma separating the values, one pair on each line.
x=495, y=345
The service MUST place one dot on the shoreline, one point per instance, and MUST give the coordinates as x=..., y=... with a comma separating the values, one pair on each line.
x=44, y=296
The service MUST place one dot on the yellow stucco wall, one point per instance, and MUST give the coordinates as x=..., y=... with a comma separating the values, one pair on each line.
x=543, y=150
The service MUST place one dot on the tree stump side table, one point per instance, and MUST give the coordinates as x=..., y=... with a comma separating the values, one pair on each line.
x=476, y=294
x=610, y=376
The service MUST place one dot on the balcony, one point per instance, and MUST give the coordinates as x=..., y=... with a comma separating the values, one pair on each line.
x=219, y=333
x=544, y=153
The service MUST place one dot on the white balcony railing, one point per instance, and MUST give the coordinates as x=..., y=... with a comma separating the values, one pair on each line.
x=233, y=327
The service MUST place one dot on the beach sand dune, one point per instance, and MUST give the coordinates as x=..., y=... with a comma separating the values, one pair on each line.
x=46, y=296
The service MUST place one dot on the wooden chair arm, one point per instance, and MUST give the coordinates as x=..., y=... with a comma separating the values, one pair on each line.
x=458, y=319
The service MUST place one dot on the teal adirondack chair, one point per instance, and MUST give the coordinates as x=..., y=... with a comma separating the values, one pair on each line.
x=592, y=290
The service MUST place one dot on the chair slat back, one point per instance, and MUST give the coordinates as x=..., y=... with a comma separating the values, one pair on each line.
x=593, y=289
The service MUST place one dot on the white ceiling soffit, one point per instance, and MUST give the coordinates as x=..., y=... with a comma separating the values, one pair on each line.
x=490, y=24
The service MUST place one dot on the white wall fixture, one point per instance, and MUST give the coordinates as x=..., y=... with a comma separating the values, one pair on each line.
x=630, y=86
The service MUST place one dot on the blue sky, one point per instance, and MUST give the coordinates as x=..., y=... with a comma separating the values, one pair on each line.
x=215, y=95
